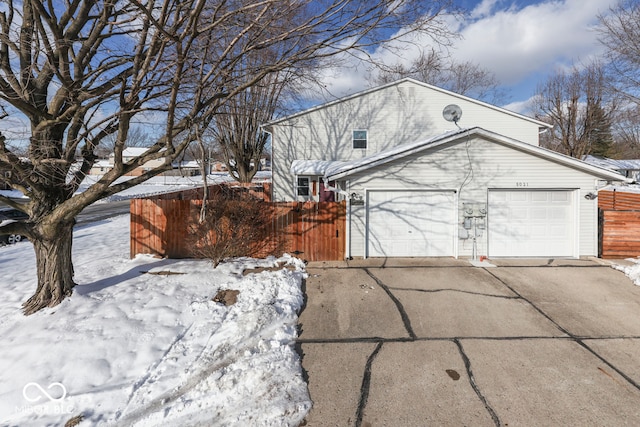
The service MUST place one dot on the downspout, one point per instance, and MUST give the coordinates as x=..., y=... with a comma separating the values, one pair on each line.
x=348, y=235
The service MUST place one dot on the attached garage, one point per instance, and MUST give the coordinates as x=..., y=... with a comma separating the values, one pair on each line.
x=471, y=193
x=411, y=223
x=532, y=223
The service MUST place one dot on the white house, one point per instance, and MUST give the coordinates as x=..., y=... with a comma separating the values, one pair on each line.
x=416, y=184
x=103, y=166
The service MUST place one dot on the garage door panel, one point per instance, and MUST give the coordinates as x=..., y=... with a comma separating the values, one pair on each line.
x=537, y=223
x=410, y=223
x=561, y=197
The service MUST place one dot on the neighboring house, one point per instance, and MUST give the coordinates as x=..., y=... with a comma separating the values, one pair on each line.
x=103, y=166
x=131, y=153
x=219, y=166
x=628, y=168
x=417, y=185
x=184, y=168
x=100, y=167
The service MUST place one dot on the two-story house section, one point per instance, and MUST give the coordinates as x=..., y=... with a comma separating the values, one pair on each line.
x=376, y=120
x=418, y=182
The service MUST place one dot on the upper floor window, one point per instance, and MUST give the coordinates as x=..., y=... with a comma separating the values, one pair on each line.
x=359, y=139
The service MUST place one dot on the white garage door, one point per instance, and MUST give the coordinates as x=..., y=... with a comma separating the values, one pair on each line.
x=410, y=223
x=537, y=223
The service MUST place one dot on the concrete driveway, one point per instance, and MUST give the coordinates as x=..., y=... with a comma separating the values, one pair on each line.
x=440, y=342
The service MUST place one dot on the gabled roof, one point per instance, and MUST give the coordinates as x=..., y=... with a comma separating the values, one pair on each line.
x=397, y=82
x=134, y=151
x=344, y=169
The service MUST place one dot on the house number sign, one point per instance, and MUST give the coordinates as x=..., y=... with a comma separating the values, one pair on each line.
x=522, y=184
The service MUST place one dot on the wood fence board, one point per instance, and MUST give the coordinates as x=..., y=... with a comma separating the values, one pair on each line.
x=619, y=234
x=313, y=231
x=618, y=200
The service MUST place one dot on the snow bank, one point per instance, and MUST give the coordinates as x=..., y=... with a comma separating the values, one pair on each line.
x=141, y=343
x=632, y=271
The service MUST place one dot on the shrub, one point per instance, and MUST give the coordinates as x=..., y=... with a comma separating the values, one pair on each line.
x=235, y=224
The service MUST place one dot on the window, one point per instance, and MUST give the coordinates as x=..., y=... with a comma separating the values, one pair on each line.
x=359, y=139
x=303, y=186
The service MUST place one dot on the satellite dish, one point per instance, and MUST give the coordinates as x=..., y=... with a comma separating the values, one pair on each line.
x=452, y=113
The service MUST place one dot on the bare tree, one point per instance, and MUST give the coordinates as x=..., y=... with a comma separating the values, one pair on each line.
x=620, y=33
x=237, y=131
x=577, y=104
x=79, y=71
x=136, y=137
x=626, y=131
x=464, y=78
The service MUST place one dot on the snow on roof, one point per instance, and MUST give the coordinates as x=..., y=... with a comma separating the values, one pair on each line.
x=186, y=164
x=337, y=171
x=617, y=165
x=312, y=167
x=134, y=151
x=631, y=188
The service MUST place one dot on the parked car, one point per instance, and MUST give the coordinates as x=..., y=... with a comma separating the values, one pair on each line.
x=11, y=214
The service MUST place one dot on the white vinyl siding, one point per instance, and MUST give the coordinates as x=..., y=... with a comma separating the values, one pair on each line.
x=472, y=167
x=394, y=115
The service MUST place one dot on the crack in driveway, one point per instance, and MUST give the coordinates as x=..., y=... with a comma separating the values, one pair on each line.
x=465, y=355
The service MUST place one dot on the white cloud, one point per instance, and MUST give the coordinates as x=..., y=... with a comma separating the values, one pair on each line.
x=522, y=107
x=483, y=9
x=516, y=43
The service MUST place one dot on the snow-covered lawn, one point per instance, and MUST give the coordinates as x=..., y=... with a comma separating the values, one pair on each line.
x=131, y=347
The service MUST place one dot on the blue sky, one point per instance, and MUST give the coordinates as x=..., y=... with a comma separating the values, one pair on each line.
x=520, y=41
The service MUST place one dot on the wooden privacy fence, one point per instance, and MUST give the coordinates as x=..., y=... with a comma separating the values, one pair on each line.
x=619, y=224
x=619, y=234
x=310, y=230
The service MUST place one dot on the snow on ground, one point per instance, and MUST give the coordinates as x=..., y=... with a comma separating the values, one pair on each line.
x=632, y=271
x=130, y=348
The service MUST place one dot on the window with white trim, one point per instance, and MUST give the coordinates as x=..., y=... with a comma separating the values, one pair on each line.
x=302, y=186
x=360, y=138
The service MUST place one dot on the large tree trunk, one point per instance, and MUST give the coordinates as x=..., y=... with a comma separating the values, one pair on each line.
x=246, y=171
x=55, y=269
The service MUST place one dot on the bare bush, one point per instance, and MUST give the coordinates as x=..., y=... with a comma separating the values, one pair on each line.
x=236, y=224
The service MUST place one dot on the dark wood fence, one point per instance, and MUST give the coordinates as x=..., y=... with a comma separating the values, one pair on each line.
x=619, y=224
x=312, y=231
